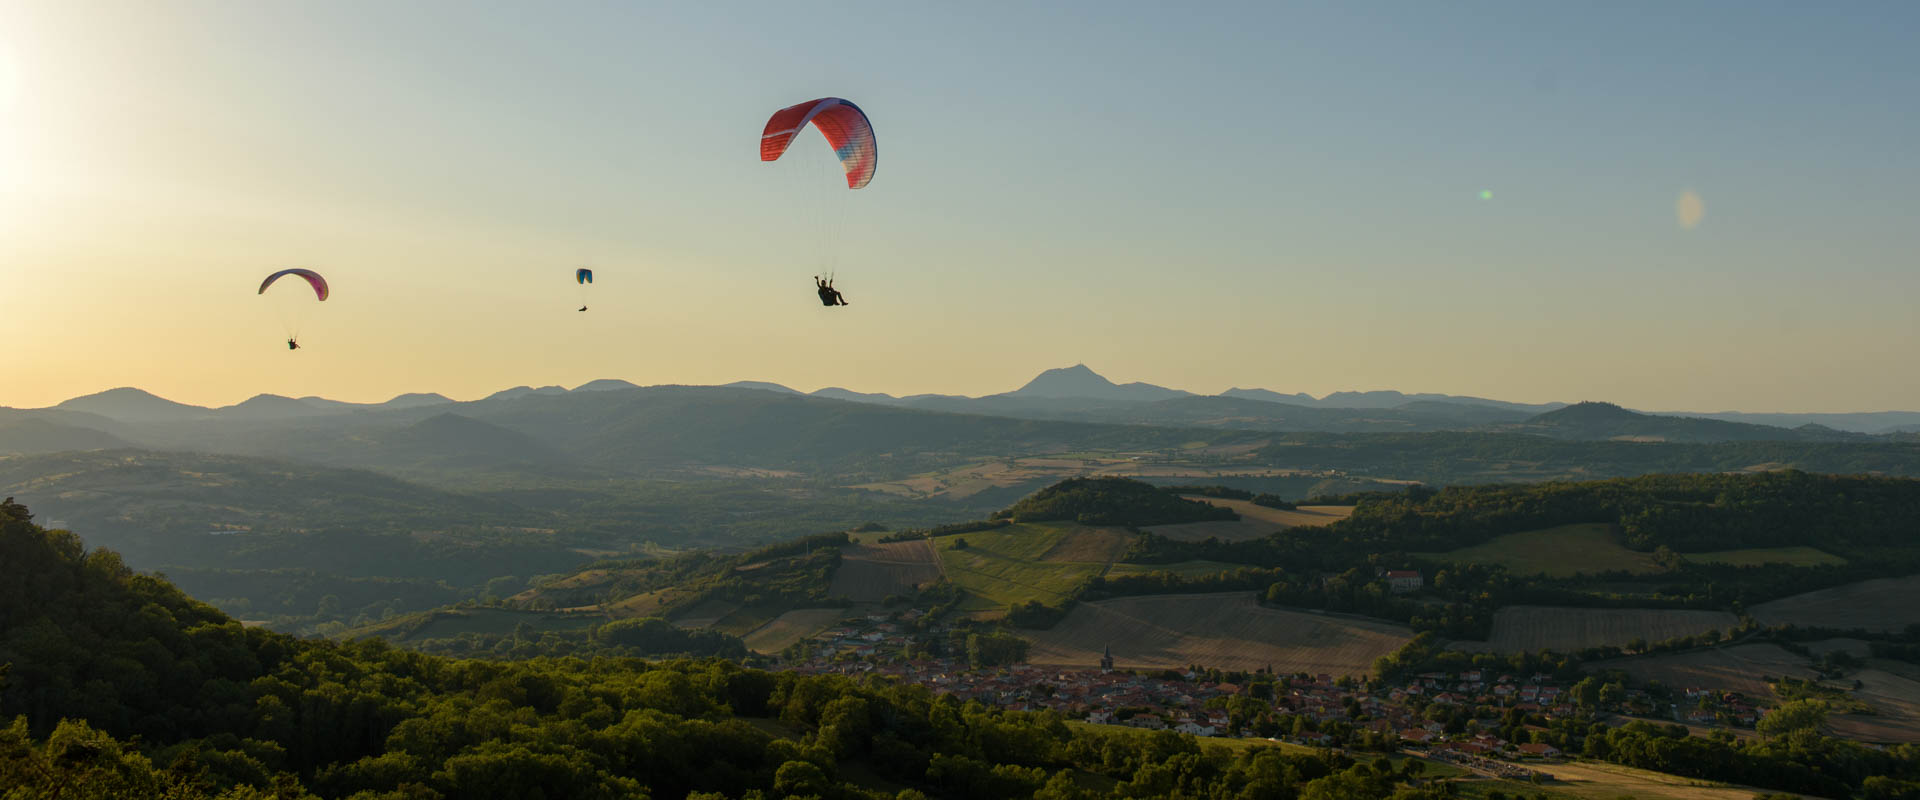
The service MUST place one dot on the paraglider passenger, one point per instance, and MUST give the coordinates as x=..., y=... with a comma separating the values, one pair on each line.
x=829, y=296
x=583, y=308
x=292, y=345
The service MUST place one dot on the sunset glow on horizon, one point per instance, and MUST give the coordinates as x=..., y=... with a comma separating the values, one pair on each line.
x=1706, y=211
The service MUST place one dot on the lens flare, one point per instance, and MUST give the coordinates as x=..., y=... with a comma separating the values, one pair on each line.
x=1486, y=194
x=1689, y=209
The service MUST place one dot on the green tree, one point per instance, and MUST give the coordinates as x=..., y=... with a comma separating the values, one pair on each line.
x=1797, y=715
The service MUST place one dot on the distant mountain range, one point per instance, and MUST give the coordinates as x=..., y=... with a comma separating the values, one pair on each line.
x=614, y=424
x=131, y=405
x=1592, y=421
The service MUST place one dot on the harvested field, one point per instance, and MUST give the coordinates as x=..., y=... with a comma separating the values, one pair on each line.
x=706, y=614
x=783, y=631
x=1599, y=780
x=1557, y=552
x=1753, y=557
x=869, y=572
x=1859, y=648
x=745, y=619
x=448, y=623
x=645, y=604
x=1531, y=628
x=1302, y=517
x=1739, y=668
x=1896, y=705
x=1226, y=630
x=1090, y=545
x=1884, y=604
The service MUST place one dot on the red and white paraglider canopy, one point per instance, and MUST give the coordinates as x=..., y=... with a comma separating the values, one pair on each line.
x=846, y=127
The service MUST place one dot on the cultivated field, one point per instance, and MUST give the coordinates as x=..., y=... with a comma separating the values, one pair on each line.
x=1753, y=557
x=706, y=614
x=1885, y=604
x=869, y=572
x=1006, y=566
x=1090, y=545
x=1302, y=517
x=1531, y=628
x=1739, y=668
x=783, y=631
x=1226, y=630
x=1557, y=552
x=1187, y=568
x=1254, y=522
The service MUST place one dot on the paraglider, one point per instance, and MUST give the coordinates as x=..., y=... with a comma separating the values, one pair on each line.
x=293, y=314
x=584, y=277
x=849, y=134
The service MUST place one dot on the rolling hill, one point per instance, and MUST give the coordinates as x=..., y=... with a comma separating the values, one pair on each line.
x=1602, y=421
x=128, y=404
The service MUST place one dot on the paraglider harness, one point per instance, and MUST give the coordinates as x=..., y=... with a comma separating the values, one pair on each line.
x=829, y=296
x=292, y=345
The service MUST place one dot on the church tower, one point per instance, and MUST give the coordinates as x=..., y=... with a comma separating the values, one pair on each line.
x=1106, y=659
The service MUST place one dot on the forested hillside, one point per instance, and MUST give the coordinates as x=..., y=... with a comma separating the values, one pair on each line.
x=118, y=685
x=1110, y=501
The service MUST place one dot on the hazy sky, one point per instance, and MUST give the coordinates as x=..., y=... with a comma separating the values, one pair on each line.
x=1279, y=195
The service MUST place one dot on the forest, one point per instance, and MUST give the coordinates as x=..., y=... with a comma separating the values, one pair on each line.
x=1110, y=501
x=116, y=684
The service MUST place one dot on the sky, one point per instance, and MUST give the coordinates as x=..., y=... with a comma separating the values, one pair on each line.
x=1700, y=206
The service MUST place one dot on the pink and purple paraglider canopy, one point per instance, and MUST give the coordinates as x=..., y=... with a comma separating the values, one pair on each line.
x=319, y=284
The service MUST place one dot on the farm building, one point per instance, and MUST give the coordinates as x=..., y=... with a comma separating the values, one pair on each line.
x=1402, y=581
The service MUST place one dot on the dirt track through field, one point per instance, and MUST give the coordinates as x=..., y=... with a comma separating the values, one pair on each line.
x=1228, y=630
x=870, y=572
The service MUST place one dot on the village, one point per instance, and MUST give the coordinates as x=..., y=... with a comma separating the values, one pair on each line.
x=1477, y=719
